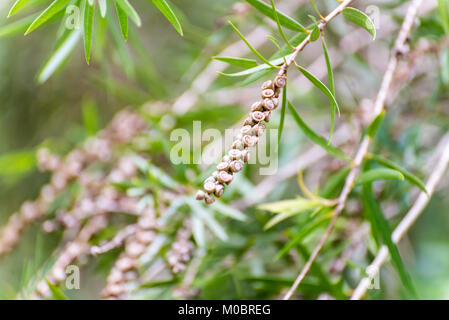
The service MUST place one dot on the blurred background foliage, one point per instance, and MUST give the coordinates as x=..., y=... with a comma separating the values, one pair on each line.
x=156, y=66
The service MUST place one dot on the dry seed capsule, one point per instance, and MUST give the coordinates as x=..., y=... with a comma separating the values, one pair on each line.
x=267, y=85
x=267, y=93
x=211, y=179
x=237, y=144
x=226, y=158
x=245, y=156
x=225, y=177
x=275, y=101
x=223, y=166
x=235, y=154
x=248, y=121
x=236, y=166
x=200, y=195
x=280, y=81
x=209, y=186
x=245, y=130
x=249, y=141
x=269, y=104
x=215, y=175
x=257, y=116
x=257, y=106
x=259, y=129
x=209, y=199
x=267, y=116
x=219, y=190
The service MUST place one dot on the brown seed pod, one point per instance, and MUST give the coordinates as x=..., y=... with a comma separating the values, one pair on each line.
x=200, y=195
x=219, y=190
x=245, y=130
x=223, y=166
x=245, y=156
x=249, y=141
x=236, y=166
x=269, y=104
x=257, y=116
x=235, y=154
x=237, y=144
x=257, y=106
x=267, y=93
x=267, y=116
x=267, y=85
x=209, y=199
x=215, y=175
x=224, y=177
x=275, y=101
x=259, y=129
x=226, y=158
x=280, y=81
x=248, y=121
x=211, y=179
x=209, y=186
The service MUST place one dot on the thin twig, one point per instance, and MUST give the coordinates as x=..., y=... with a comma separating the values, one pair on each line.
x=379, y=106
x=405, y=224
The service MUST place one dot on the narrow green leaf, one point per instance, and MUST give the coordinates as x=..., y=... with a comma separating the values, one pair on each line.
x=284, y=20
x=261, y=57
x=103, y=7
x=163, y=7
x=239, y=62
x=317, y=83
x=288, y=208
x=228, y=211
x=380, y=224
x=361, y=19
x=198, y=231
x=408, y=176
x=47, y=14
x=208, y=219
x=330, y=73
x=379, y=174
x=60, y=55
x=123, y=20
x=56, y=291
x=88, y=26
x=375, y=124
x=443, y=10
x=130, y=11
x=315, y=138
x=283, y=109
x=278, y=22
x=16, y=27
x=19, y=4
x=315, y=34
x=261, y=67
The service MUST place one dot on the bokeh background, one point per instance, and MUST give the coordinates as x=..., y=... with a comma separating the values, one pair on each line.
x=157, y=65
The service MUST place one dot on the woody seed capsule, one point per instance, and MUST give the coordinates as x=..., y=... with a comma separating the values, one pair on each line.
x=234, y=154
x=267, y=116
x=269, y=104
x=279, y=81
x=224, y=177
x=259, y=129
x=219, y=190
x=257, y=116
x=209, y=186
x=236, y=166
x=245, y=156
x=209, y=199
x=249, y=141
x=222, y=166
x=257, y=106
x=200, y=195
x=267, y=85
x=267, y=93
x=245, y=129
x=237, y=144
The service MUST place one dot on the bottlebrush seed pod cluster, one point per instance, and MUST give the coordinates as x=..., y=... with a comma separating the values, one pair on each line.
x=252, y=129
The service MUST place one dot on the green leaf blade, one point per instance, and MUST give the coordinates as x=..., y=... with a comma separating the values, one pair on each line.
x=314, y=137
x=19, y=4
x=239, y=62
x=361, y=19
x=55, y=7
x=88, y=25
x=284, y=19
x=165, y=9
x=379, y=174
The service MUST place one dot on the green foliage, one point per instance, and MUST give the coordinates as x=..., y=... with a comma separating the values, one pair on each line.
x=361, y=19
